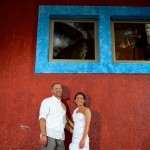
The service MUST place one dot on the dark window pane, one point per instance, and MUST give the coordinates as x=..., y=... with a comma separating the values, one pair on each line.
x=132, y=41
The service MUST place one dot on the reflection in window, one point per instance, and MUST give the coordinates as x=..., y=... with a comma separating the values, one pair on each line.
x=73, y=39
x=131, y=40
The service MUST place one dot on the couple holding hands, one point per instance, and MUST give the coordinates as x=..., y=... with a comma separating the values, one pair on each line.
x=53, y=120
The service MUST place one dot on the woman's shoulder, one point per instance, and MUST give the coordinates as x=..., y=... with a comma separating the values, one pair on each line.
x=87, y=110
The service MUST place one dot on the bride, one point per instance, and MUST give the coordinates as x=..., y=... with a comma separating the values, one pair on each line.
x=81, y=118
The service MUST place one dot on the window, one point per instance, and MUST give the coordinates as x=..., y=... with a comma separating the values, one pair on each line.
x=126, y=51
x=131, y=40
x=73, y=40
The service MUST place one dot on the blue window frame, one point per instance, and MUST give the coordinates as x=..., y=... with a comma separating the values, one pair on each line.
x=104, y=14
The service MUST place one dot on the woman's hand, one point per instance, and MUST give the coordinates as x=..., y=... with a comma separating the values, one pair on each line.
x=43, y=140
x=81, y=144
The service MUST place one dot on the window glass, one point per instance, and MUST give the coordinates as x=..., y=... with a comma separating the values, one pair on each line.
x=73, y=40
x=131, y=40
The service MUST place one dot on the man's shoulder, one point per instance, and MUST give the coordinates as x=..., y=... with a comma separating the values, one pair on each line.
x=47, y=100
x=63, y=105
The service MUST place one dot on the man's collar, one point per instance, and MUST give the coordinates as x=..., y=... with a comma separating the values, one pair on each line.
x=56, y=98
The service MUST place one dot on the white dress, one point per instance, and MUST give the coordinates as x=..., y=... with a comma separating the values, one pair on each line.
x=79, y=124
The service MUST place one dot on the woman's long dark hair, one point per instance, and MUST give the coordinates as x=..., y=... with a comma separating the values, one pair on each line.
x=80, y=93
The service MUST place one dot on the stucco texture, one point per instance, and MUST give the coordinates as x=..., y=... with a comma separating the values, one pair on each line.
x=119, y=102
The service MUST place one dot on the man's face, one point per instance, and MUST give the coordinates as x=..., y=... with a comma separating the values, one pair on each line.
x=57, y=90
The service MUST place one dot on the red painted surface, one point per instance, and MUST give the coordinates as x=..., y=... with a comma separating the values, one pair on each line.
x=119, y=103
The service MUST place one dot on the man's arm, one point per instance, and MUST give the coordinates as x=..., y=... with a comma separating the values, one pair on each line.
x=68, y=128
x=69, y=125
x=43, y=127
x=43, y=139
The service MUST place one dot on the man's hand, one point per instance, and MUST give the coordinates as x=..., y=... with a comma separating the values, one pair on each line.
x=43, y=140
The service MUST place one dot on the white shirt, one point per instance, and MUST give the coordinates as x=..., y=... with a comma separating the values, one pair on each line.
x=54, y=112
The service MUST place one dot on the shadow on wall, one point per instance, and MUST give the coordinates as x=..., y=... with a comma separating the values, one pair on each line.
x=65, y=98
x=95, y=126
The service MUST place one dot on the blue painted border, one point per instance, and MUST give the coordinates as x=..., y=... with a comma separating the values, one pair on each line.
x=105, y=65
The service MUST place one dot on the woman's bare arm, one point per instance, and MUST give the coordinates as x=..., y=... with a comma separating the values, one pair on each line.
x=87, y=114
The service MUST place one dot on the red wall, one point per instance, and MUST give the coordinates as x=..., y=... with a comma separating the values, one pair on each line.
x=119, y=103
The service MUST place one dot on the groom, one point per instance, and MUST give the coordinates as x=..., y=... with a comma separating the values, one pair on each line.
x=52, y=119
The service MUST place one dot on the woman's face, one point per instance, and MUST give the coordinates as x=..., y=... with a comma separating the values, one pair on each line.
x=79, y=100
